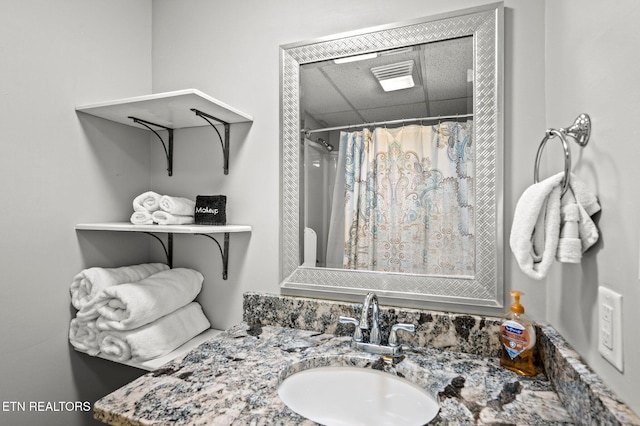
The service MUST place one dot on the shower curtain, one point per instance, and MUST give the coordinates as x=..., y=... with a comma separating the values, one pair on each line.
x=409, y=201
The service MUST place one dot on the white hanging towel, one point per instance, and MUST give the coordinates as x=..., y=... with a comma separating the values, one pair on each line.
x=87, y=284
x=155, y=339
x=569, y=244
x=546, y=228
x=536, y=227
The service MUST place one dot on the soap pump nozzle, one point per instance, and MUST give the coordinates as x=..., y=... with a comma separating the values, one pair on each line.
x=516, y=307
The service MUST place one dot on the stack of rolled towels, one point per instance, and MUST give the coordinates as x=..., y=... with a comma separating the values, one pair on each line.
x=151, y=207
x=135, y=313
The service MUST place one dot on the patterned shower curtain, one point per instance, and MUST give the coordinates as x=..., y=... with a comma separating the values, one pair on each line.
x=409, y=199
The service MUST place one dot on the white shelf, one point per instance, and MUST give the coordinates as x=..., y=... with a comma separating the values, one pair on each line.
x=205, y=230
x=170, y=109
x=153, y=364
x=175, y=229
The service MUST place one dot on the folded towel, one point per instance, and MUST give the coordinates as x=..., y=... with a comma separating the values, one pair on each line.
x=141, y=218
x=579, y=232
x=90, y=282
x=84, y=336
x=546, y=226
x=584, y=196
x=536, y=227
x=588, y=206
x=177, y=205
x=155, y=339
x=569, y=244
x=569, y=250
x=163, y=218
x=131, y=305
x=587, y=229
x=148, y=201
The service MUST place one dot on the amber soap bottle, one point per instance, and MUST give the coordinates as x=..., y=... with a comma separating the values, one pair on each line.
x=517, y=338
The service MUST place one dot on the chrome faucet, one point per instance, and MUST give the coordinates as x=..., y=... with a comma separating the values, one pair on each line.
x=374, y=334
x=374, y=346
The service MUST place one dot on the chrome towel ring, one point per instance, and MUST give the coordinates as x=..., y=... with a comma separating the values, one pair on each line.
x=551, y=133
x=580, y=131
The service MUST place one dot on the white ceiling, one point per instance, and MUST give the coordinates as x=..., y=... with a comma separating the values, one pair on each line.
x=349, y=94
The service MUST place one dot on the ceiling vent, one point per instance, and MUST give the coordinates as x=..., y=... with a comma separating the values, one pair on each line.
x=396, y=76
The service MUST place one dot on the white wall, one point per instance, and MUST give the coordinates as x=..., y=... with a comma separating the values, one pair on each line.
x=57, y=170
x=230, y=50
x=592, y=66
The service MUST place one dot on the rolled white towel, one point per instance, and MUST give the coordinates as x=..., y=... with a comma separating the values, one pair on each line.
x=131, y=305
x=147, y=201
x=141, y=218
x=163, y=218
x=84, y=336
x=88, y=283
x=177, y=205
x=155, y=339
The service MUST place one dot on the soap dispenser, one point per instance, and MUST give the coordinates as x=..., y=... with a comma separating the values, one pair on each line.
x=518, y=338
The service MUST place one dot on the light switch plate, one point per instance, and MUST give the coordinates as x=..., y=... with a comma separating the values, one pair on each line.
x=610, y=326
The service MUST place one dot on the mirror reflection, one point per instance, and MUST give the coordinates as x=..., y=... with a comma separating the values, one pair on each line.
x=433, y=202
x=389, y=160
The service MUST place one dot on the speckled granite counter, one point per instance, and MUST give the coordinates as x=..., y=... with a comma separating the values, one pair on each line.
x=233, y=378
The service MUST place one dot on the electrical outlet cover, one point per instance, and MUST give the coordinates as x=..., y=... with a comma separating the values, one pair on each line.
x=610, y=326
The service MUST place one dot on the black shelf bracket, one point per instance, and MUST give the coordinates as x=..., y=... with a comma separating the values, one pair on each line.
x=168, y=151
x=168, y=248
x=224, y=252
x=224, y=142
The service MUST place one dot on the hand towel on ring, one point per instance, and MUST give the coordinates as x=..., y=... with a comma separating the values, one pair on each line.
x=536, y=227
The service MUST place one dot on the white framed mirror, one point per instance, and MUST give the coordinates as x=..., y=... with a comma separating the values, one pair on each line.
x=440, y=135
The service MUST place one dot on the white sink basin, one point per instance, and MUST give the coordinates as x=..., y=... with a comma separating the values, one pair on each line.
x=356, y=396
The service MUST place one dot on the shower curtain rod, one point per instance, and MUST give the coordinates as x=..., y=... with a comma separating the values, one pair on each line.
x=379, y=123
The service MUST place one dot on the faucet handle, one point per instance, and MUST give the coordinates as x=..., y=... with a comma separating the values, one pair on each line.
x=393, y=336
x=357, y=334
x=348, y=320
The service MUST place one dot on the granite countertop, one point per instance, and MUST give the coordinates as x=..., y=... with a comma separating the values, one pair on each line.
x=233, y=379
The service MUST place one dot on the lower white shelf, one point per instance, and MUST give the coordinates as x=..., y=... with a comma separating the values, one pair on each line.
x=153, y=364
